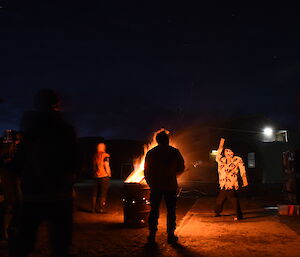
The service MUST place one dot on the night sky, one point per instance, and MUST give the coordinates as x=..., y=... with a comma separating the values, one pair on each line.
x=124, y=70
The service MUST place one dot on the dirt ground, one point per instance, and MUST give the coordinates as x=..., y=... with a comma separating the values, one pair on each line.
x=261, y=233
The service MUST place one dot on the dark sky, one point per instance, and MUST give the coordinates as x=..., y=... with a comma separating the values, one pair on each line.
x=124, y=69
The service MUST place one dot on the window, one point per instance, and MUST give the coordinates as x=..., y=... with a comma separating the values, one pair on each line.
x=282, y=136
x=212, y=155
x=251, y=160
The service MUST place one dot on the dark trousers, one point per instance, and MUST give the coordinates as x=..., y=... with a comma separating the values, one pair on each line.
x=101, y=192
x=170, y=198
x=58, y=217
x=232, y=196
x=13, y=225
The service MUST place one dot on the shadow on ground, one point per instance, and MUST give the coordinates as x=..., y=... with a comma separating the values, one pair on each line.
x=178, y=250
x=183, y=251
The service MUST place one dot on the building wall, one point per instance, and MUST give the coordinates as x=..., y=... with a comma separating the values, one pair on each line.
x=197, y=143
x=271, y=162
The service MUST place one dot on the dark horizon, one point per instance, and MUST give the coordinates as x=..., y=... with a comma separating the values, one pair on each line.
x=125, y=70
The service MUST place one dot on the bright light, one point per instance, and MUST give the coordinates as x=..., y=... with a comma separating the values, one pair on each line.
x=268, y=132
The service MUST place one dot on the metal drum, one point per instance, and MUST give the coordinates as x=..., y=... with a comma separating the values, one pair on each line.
x=136, y=199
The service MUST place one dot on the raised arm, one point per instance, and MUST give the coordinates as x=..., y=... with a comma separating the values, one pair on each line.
x=220, y=149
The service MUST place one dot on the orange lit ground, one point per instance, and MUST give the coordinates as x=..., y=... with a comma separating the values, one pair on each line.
x=262, y=233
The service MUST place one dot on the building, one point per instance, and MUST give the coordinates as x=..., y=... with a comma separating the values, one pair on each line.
x=258, y=140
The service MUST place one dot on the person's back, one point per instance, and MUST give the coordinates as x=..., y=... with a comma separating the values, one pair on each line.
x=163, y=163
x=48, y=156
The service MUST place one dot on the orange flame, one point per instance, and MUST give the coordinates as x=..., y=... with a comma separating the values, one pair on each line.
x=137, y=175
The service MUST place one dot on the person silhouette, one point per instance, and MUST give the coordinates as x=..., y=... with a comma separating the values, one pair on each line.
x=163, y=164
x=45, y=164
x=102, y=174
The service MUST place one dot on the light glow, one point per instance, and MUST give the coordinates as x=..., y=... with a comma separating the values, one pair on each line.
x=137, y=175
x=268, y=131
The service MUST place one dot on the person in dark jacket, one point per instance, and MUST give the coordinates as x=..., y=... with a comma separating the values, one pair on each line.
x=45, y=164
x=163, y=164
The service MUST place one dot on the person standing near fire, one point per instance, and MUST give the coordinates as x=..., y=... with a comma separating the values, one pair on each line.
x=163, y=164
x=102, y=174
x=228, y=167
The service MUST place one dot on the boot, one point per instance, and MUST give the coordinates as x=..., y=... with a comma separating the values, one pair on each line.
x=172, y=238
x=238, y=217
x=94, y=199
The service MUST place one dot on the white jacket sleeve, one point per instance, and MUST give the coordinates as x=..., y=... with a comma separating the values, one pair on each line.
x=219, y=156
x=220, y=149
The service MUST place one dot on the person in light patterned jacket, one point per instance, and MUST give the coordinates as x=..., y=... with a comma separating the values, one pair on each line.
x=228, y=169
